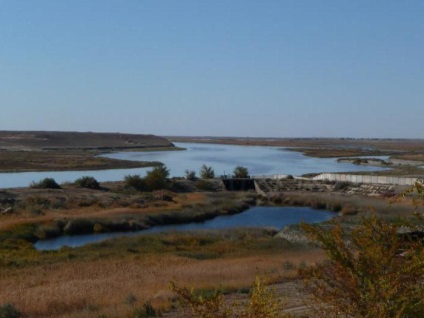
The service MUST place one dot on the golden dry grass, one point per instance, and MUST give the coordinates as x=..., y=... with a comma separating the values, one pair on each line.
x=10, y=221
x=85, y=289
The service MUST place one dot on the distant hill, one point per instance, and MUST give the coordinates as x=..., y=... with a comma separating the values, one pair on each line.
x=55, y=140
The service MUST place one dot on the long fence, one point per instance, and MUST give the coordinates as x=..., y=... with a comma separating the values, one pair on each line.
x=368, y=179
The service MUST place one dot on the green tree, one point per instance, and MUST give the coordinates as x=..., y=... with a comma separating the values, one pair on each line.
x=207, y=172
x=370, y=272
x=157, y=178
x=190, y=175
x=240, y=172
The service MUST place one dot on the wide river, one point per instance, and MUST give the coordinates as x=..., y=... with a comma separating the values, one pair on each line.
x=260, y=160
x=275, y=217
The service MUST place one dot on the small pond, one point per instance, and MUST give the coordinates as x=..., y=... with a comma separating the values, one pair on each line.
x=276, y=217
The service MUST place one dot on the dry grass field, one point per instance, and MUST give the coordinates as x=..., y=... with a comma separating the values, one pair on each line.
x=116, y=278
x=89, y=288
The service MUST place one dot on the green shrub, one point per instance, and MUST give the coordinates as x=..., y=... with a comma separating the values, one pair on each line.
x=136, y=182
x=46, y=183
x=9, y=311
x=157, y=178
x=87, y=182
x=205, y=185
x=190, y=175
x=241, y=172
x=371, y=271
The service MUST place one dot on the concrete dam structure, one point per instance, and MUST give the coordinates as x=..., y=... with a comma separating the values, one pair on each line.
x=239, y=184
x=369, y=179
x=354, y=178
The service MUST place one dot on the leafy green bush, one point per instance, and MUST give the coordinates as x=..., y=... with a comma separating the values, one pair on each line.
x=157, y=178
x=370, y=272
x=136, y=182
x=87, y=182
x=190, y=175
x=46, y=183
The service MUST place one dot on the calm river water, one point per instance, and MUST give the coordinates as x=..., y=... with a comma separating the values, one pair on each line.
x=223, y=158
x=276, y=217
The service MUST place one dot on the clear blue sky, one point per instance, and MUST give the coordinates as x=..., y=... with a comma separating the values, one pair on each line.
x=336, y=68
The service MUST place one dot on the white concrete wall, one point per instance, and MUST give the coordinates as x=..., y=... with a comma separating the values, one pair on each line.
x=273, y=176
x=367, y=179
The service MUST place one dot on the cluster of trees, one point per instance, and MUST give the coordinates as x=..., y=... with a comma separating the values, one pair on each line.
x=50, y=183
x=207, y=172
x=155, y=179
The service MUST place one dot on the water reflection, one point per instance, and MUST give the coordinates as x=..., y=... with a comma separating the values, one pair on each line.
x=276, y=217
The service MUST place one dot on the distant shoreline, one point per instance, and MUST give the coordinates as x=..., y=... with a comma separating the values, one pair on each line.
x=35, y=151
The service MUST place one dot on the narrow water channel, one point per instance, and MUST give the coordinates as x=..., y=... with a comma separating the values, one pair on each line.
x=276, y=217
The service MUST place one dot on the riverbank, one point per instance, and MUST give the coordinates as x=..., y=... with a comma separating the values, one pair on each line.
x=408, y=149
x=25, y=161
x=117, y=277
x=66, y=151
x=32, y=214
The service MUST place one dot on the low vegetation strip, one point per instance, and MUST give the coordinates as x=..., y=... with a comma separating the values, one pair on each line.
x=23, y=161
x=48, y=140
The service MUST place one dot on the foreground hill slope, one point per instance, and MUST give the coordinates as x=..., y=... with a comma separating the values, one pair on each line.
x=54, y=140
